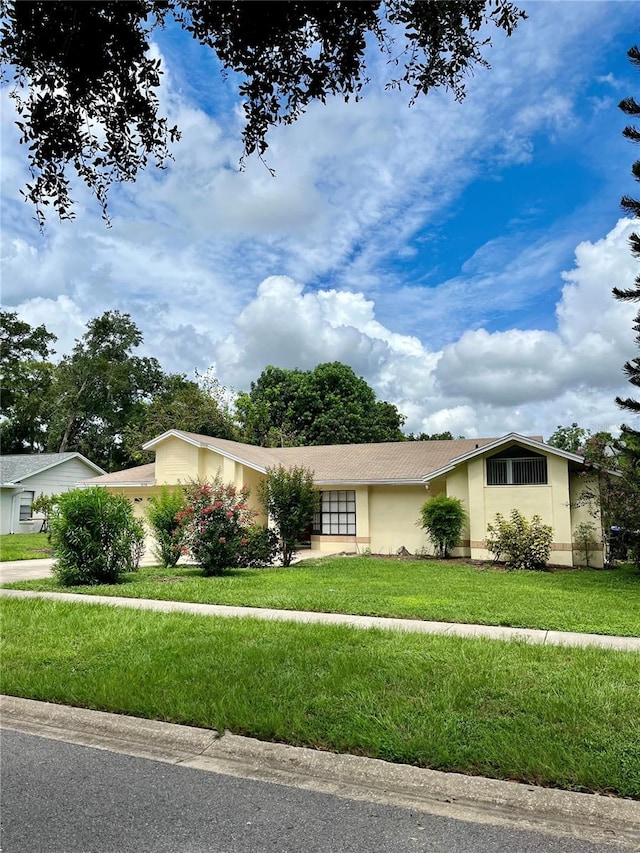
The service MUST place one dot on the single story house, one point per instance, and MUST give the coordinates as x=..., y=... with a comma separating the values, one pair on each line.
x=371, y=494
x=25, y=476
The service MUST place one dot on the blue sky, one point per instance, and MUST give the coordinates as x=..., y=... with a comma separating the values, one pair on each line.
x=459, y=256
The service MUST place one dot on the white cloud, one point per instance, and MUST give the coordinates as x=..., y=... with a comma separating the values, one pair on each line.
x=526, y=380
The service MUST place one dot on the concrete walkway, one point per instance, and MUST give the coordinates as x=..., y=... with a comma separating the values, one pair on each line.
x=528, y=635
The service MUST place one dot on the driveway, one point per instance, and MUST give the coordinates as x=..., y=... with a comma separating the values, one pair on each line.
x=25, y=570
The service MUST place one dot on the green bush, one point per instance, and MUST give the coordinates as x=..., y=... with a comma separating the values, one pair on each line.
x=161, y=513
x=443, y=518
x=259, y=547
x=522, y=544
x=95, y=537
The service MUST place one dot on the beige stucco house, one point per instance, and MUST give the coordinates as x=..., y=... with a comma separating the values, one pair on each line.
x=371, y=494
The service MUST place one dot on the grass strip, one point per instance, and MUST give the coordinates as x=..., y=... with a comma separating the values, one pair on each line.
x=589, y=601
x=24, y=546
x=568, y=718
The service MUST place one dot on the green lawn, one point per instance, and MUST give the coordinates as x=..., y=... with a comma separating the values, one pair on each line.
x=24, y=546
x=592, y=601
x=554, y=716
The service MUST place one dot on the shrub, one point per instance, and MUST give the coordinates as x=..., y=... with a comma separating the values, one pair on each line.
x=259, y=547
x=216, y=521
x=443, y=518
x=168, y=532
x=521, y=543
x=289, y=499
x=585, y=540
x=95, y=537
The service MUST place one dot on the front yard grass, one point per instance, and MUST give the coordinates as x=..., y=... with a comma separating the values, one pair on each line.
x=590, y=601
x=554, y=716
x=24, y=546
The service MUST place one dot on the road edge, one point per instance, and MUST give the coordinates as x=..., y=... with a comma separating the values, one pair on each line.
x=588, y=817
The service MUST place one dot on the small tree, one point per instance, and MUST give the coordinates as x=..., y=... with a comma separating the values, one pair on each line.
x=443, y=518
x=169, y=533
x=289, y=499
x=521, y=543
x=95, y=537
x=46, y=506
x=585, y=540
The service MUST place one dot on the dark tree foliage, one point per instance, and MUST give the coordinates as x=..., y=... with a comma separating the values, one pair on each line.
x=179, y=404
x=631, y=205
x=100, y=389
x=434, y=436
x=86, y=89
x=326, y=405
x=25, y=380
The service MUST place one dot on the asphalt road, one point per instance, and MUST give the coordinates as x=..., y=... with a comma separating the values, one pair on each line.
x=63, y=798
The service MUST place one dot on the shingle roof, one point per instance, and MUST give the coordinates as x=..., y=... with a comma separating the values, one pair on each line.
x=389, y=462
x=142, y=474
x=15, y=467
x=398, y=461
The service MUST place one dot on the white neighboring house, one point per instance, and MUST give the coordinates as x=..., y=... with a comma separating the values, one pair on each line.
x=23, y=477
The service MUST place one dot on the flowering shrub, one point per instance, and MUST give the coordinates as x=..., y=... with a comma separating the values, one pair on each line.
x=520, y=543
x=218, y=527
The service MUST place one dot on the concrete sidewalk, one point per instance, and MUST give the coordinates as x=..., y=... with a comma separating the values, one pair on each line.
x=598, y=819
x=529, y=635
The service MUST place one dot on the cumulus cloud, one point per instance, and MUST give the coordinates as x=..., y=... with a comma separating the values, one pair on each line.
x=526, y=380
x=592, y=340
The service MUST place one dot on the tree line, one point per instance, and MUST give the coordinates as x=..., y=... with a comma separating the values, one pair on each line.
x=105, y=401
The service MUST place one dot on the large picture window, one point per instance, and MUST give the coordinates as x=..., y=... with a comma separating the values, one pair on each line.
x=336, y=513
x=517, y=467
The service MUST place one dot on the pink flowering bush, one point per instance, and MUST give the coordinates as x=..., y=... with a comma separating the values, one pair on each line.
x=218, y=526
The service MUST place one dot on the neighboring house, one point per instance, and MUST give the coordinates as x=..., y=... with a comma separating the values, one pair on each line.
x=23, y=477
x=371, y=494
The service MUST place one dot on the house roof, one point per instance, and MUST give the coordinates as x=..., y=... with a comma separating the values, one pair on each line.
x=142, y=475
x=389, y=462
x=535, y=443
x=14, y=468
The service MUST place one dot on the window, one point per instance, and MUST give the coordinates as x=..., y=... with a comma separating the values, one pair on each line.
x=517, y=467
x=26, y=499
x=336, y=513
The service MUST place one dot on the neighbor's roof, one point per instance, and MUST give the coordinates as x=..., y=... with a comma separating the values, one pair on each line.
x=16, y=467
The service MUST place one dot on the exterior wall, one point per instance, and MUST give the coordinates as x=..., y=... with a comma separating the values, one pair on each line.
x=177, y=461
x=587, y=513
x=457, y=486
x=551, y=502
x=7, y=510
x=54, y=481
x=250, y=477
x=394, y=513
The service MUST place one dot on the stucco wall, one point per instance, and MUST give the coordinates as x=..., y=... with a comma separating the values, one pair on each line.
x=176, y=462
x=588, y=512
x=394, y=512
x=551, y=502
